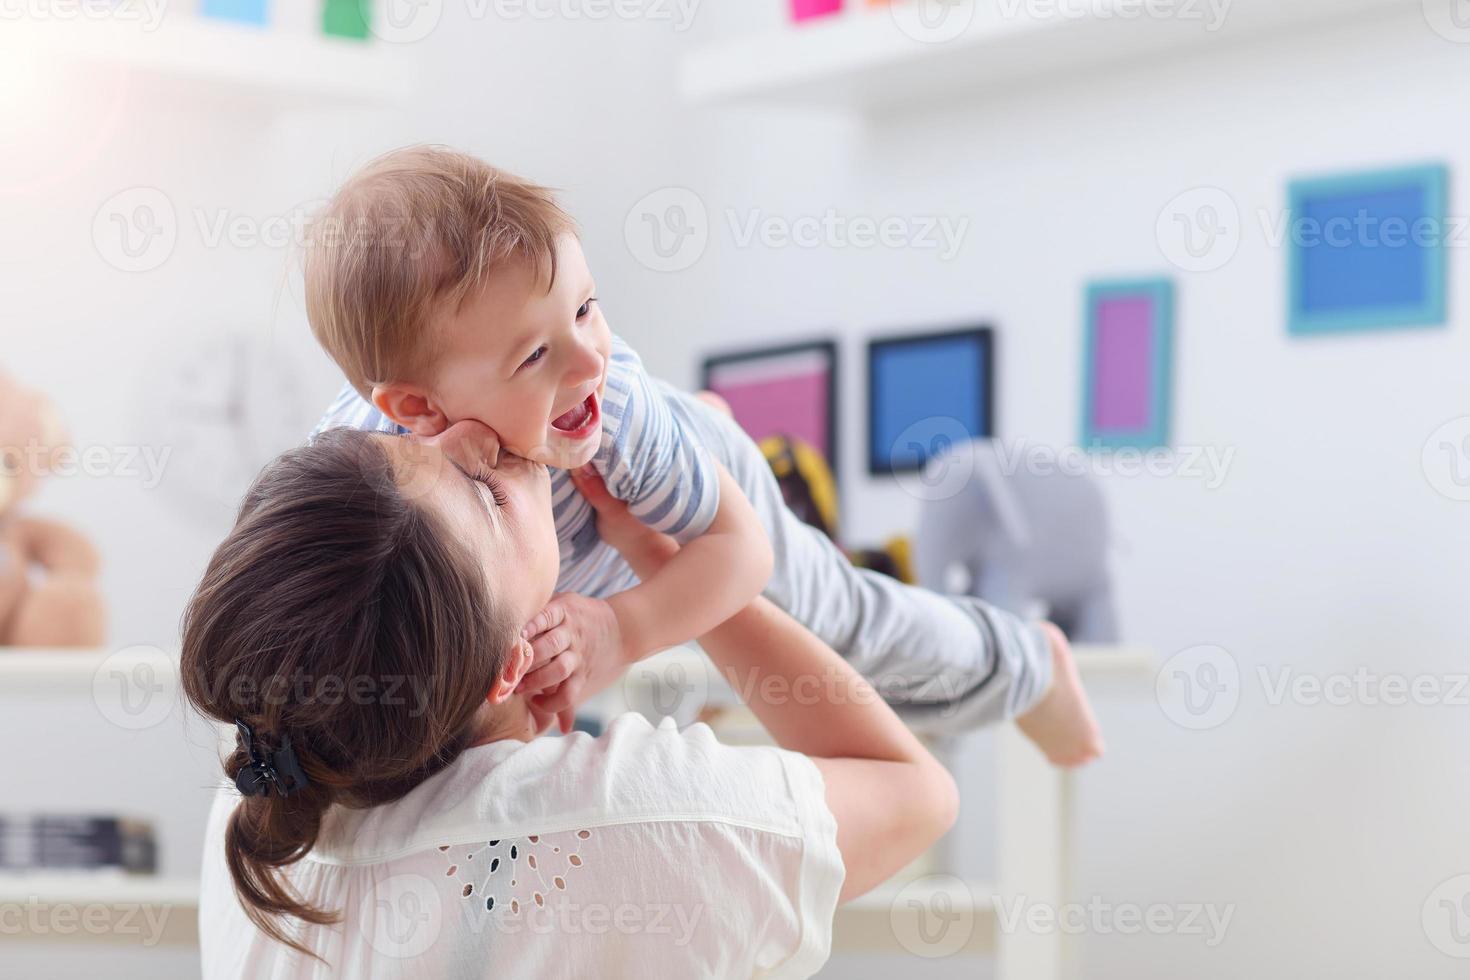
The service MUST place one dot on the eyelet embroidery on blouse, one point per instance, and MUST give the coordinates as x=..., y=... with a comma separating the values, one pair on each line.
x=498, y=872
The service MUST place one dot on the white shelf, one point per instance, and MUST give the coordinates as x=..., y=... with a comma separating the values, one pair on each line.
x=865, y=60
x=195, y=59
x=871, y=923
x=1115, y=661
x=53, y=888
x=879, y=921
x=70, y=669
x=106, y=908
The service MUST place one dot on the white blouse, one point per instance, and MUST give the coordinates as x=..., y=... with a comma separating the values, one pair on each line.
x=648, y=852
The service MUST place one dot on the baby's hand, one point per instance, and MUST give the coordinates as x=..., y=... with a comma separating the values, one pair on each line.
x=577, y=648
x=470, y=445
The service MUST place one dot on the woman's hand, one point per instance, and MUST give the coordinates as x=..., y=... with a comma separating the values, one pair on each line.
x=644, y=549
x=578, y=641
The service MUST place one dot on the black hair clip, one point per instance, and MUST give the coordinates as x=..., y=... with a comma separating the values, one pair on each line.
x=280, y=769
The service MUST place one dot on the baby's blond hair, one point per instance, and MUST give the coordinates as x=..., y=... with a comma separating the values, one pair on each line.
x=417, y=230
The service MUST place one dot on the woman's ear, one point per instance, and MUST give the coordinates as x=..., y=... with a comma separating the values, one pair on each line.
x=411, y=407
x=517, y=662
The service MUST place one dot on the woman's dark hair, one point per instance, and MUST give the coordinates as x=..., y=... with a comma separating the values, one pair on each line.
x=345, y=615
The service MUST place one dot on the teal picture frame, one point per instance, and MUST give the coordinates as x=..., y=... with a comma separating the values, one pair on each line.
x=1154, y=430
x=1431, y=183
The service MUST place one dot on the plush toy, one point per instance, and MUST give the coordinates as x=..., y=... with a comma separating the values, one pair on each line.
x=48, y=572
x=1033, y=541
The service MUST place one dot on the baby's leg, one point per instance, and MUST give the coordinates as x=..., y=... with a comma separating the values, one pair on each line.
x=946, y=664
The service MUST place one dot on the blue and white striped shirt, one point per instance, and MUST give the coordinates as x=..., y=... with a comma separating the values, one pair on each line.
x=649, y=456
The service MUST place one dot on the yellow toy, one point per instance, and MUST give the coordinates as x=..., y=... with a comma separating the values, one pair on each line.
x=811, y=493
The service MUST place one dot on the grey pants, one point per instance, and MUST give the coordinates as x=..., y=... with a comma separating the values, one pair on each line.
x=946, y=664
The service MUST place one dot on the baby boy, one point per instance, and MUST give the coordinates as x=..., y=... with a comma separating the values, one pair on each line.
x=448, y=290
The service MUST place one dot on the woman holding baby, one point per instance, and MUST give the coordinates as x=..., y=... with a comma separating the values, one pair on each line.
x=435, y=833
x=445, y=599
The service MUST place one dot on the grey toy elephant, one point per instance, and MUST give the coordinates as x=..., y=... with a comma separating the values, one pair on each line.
x=1033, y=541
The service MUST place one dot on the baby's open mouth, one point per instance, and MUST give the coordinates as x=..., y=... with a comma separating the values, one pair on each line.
x=578, y=420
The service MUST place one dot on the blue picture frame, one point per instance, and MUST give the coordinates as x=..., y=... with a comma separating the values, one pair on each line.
x=1157, y=387
x=945, y=377
x=1367, y=282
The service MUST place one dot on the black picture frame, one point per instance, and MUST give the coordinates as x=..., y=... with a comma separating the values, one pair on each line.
x=828, y=348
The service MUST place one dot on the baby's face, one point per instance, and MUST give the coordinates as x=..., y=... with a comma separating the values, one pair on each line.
x=528, y=363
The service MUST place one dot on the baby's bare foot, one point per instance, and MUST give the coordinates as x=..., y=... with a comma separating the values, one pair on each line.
x=1061, y=723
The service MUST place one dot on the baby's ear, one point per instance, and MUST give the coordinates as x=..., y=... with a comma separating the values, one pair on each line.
x=410, y=407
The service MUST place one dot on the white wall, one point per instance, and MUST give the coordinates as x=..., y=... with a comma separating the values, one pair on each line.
x=101, y=341
x=1325, y=549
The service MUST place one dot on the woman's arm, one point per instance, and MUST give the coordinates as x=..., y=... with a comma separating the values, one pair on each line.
x=891, y=798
